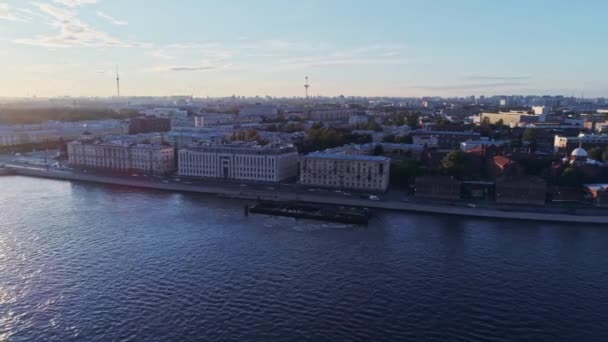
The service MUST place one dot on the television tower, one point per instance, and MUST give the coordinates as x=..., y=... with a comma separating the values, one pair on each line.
x=306, y=86
x=117, y=82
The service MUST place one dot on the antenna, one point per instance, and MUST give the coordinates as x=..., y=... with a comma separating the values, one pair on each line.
x=117, y=82
x=306, y=86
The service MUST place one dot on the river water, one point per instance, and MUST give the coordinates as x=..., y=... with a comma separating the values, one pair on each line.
x=84, y=262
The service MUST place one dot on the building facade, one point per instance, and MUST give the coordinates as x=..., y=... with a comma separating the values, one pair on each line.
x=443, y=140
x=331, y=114
x=342, y=171
x=564, y=144
x=242, y=161
x=114, y=156
x=149, y=125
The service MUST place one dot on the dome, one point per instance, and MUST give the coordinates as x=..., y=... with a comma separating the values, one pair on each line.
x=579, y=153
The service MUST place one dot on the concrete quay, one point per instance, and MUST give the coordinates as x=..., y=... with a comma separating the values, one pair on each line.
x=287, y=196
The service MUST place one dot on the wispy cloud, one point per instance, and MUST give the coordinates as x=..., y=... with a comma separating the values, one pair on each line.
x=470, y=86
x=71, y=30
x=192, y=68
x=7, y=13
x=279, y=55
x=75, y=3
x=496, y=78
x=112, y=19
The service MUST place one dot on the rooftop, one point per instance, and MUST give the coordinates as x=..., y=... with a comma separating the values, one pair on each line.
x=324, y=155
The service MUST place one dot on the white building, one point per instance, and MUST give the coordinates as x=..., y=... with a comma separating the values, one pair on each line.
x=342, y=171
x=242, y=161
x=119, y=156
x=357, y=120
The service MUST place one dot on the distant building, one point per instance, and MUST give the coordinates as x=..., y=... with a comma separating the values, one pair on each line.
x=357, y=120
x=438, y=187
x=259, y=110
x=445, y=140
x=331, y=114
x=523, y=190
x=118, y=156
x=182, y=137
x=540, y=110
x=512, y=118
x=149, y=125
x=342, y=171
x=563, y=144
x=243, y=161
x=483, y=142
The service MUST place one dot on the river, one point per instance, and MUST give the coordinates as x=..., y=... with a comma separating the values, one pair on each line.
x=86, y=262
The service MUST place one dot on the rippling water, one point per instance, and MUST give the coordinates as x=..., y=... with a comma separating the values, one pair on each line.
x=81, y=262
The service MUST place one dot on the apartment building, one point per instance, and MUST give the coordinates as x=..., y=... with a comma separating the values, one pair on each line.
x=242, y=161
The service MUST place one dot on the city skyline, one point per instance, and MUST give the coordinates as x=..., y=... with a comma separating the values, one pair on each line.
x=440, y=48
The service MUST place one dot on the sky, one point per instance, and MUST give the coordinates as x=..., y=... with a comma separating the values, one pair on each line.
x=267, y=47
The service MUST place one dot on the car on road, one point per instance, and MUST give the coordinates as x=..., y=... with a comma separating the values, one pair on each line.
x=165, y=181
x=374, y=198
x=243, y=185
x=471, y=205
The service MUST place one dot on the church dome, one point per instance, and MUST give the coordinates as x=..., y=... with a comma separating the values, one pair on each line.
x=579, y=153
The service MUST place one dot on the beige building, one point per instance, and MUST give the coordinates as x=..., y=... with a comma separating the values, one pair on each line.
x=122, y=156
x=243, y=161
x=511, y=119
x=342, y=171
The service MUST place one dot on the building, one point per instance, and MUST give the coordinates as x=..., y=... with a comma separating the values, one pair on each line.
x=597, y=193
x=358, y=120
x=512, y=118
x=241, y=161
x=524, y=190
x=149, y=124
x=331, y=114
x=540, y=110
x=121, y=156
x=445, y=140
x=343, y=171
x=182, y=137
x=483, y=142
x=259, y=111
x=438, y=187
x=563, y=144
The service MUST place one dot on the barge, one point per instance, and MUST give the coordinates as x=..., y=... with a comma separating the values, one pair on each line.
x=349, y=215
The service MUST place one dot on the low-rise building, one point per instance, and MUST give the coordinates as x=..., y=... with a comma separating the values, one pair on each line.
x=331, y=114
x=483, y=142
x=512, y=118
x=242, y=161
x=445, y=140
x=120, y=156
x=149, y=124
x=438, y=187
x=525, y=190
x=344, y=171
x=564, y=144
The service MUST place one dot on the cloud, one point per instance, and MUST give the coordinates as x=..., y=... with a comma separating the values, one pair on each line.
x=75, y=3
x=496, y=78
x=160, y=54
x=72, y=31
x=192, y=68
x=112, y=19
x=7, y=14
x=471, y=86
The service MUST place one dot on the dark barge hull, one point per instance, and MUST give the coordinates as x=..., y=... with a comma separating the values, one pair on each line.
x=334, y=214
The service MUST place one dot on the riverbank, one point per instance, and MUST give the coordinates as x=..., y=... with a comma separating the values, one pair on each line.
x=291, y=196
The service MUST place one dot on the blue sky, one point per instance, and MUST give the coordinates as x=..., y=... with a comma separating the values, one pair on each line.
x=356, y=47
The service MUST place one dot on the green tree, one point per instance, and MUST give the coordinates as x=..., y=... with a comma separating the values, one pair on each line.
x=404, y=139
x=595, y=153
x=404, y=172
x=453, y=163
x=530, y=135
x=389, y=138
x=571, y=177
x=378, y=150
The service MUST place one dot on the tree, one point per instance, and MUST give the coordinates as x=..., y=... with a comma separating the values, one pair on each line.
x=530, y=135
x=485, y=121
x=404, y=172
x=378, y=150
x=453, y=163
x=571, y=177
x=389, y=138
x=595, y=153
x=500, y=123
x=404, y=139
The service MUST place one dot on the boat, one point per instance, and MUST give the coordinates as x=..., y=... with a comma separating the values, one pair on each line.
x=349, y=215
